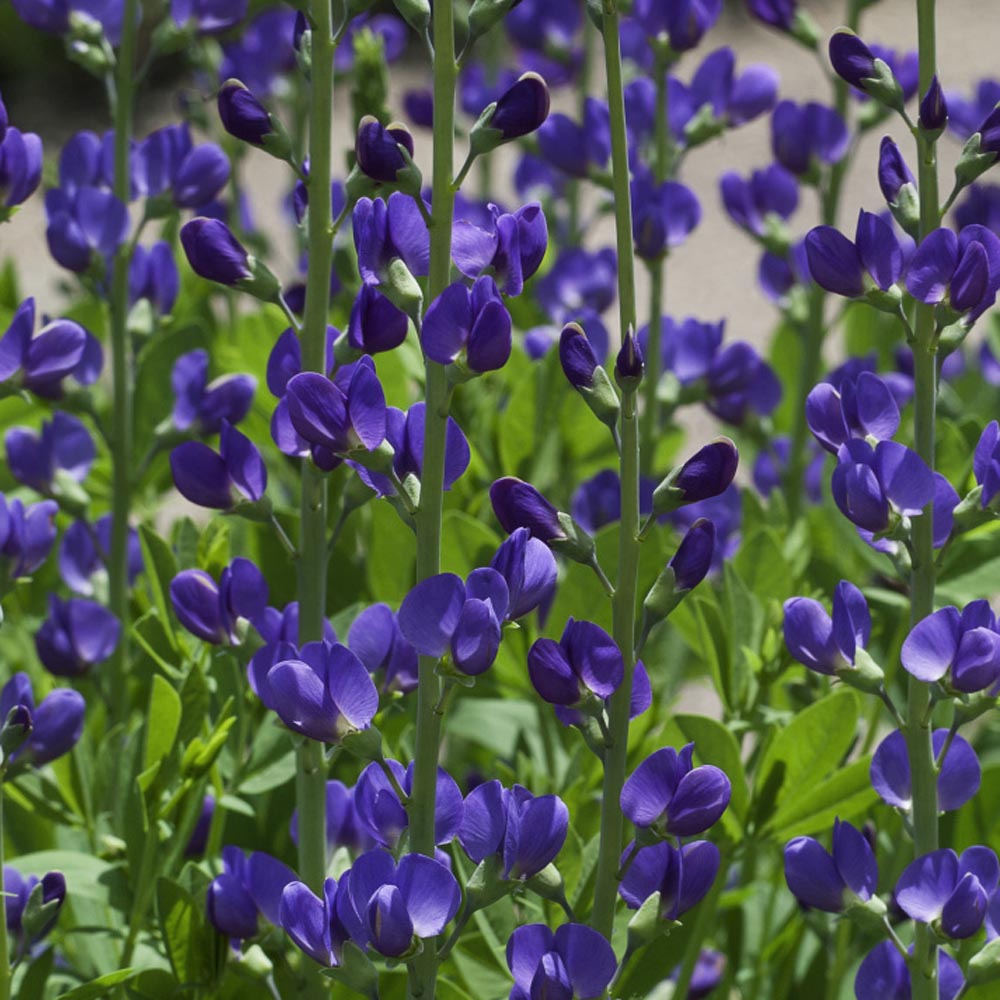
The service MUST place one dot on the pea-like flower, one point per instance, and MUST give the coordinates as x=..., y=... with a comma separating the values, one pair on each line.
x=313, y=922
x=682, y=876
x=963, y=645
x=63, y=448
x=201, y=406
x=962, y=270
x=167, y=164
x=83, y=550
x=573, y=963
x=391, y=238
x=244, y=117
x=823, y=644
x=512, y=247
x=958, y=778
x=50, y=892
x=245, y=888
x=20, y=168
x=220, y=480
x=805, y=136
x=87, y=226
x=885, y=975
x=526, y=831
x=470, y=327
x=520, y=109
x=377, y=640
x=761, y=201
x=669, y=797
x=585, y=664
x=684, y=21
x=518, y=504
x=576, y=148
x=78, y=634
x=873, y=261
x=529, y=569
x=375, y=323
x=663, y=215
x=776, y=13
x=214, y=253
x=949, y=891
x=212, y=611
x=40, y=362
x=26, y=536
x=832, y=881
x=861, y=408
x=986, y=462
x=153, y=276
x=56, y=722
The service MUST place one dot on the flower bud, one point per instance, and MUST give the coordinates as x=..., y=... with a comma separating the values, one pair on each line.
x=579, y=363
x=416, y=13
x=629, y=363
x=244, y=117
x=518, y=112
x=933, y=110
x=854, y=62
x=214, y=253
x=706, y=474
x=379, y=150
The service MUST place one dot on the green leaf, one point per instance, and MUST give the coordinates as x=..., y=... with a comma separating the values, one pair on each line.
x=845, y=794
x=465, y=543
x=33, y=984
x=191, y=943
x=391, y=562
x=85, y=875
x=162, y=723
x=715, y=744
x=161, y=568
x=100, y=987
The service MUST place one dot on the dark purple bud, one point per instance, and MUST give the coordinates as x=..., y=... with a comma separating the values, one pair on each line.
x=693, y=558
x=518, y=504
x=529, y=568
x=933, y=108
x=377, y=149
x=375, y=324
x=213, y=252
x=705, y=474
x=242, y=115
x=851, y=59
x=893, y=172
x=834, y=263
x=577, y=356
x=989, y=133
x=522, y=108
x=57, y=726
x=629, y=363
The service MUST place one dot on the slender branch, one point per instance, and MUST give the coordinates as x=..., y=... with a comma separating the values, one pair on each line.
x=5, y=976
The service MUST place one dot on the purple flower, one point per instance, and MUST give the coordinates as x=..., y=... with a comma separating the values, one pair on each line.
x=522, y=108
x=986, y=462
x=958, y=779
x=893, y=173
x=663, y=215
x=390, y=905
x=262, y=51
x=575, y=148
x=513, y=247
x=805, y=135
x=343, y=826
x=823, y=644
x=862, y=408
x=202, y=407
x=574, y=963
x=18, y=888
x=872, y=486
x=63, y=448
x=88, y=222
x=468, y=326
x=884, y=975
x=949, y=891
x=725, y=514
x=963, y=269
x=694, y=556
x=213, y=611
x=208, y=17
x=529, y=570
x=683, y=21
x=219, y=480
x=246, y=887
x=933, y=108
x=56, y=723
x=776, y=13
x=966, y=646
x=26, y=536
x=383, y=815
x=771, y=466
x=851, y=59
x=153, y=276
x=518, y=504
x=418, y=102
x=166, y=163
x=670, y=797
x=444, y=616
x=707, y=975
x=77, y=635
x=376, y=639
x=313, y=923
x=526, y=831
x=585, y=664
x=577, y=283
x=980, y=205
x=242, y=115
x=214, y=253
x=20, y=168
x=755, y=203
x=875, y=258
x=84, y=549
x=682, y=877
x=375, y=324
x=387, y=231
x=707, y=473
x=379, y=149
x=832, y=881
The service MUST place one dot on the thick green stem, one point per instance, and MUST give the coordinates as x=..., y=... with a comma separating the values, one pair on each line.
x=602, y=916
x=4, y=945
x=310, y=777
x=122, y=374
x=423, y=971
x=918, y=723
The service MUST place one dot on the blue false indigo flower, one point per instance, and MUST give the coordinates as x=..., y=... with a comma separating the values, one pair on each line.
x=394, y=907
x=682, y=877
x=707, y=975
x=54, y=460
x=215, y=254
x=89, y=225
x=375, y=324
x=529, y=569
x=468, y=327
x=376, y=639
x=246, y=887
x=948, y=891
x=873, y=487
x=244, y=117
x=771, y=466
x=153, y=276
x=336, y=419
x=212, y=611
x=26, y=536
x=862, y=408
x=707, y=473
x=519, y=111
x=663, y=215
x=383, y=815
x=233, y=477
x=871, y=265
x=512, y=247
x=77, y=635
x=442, y=616
x=897, y=184
x=762, y=201
x=323, y=692
x=379, y=150
x=50, y=892
x=965, y=646
x=805, y=135
x=313, y=923
x=170, y=168
x=668, y=797
x=20, y=169
x=579, y=282
x=885, y=975
x=585, y=373
x=285, y=359
x=574, y=963
x=961, y=270
x=418, y=103
x=526, y=831
x=584, y=667
x=83, y=550
x=478, y=87
x=933, y=109
x=779, y=14
x=54, y=725
x=823, y=644
x=832, y=881
x=684, y=22
x=277, y=626
x=694, y=556
x=986, y=463
x=576, y=148
x=202, y=407
x=958, y=778
x=629, y=364
x=854, y=62
x=208, y=17
x=343, y=825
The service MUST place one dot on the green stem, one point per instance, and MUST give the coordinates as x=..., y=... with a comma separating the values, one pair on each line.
x=623, y=609
x=918, y=729
x=4, y=945
x=122, y=374
x=310, y=776
x=423, y=970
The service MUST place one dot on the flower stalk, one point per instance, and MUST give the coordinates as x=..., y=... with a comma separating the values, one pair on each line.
x=624, y=601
